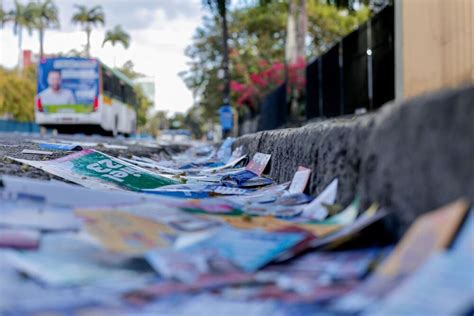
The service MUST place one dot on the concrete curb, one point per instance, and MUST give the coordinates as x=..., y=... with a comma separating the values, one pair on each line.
x=411, y=157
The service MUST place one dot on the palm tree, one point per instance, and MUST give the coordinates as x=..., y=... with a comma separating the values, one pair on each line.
x=45, y=15
x=21, y=16
x=117, y=35
x=88, y=18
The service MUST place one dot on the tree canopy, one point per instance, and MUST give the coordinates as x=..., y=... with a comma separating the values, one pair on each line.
x=117, y=36
x=14, y=102
x=257, y=31
x=87, y=18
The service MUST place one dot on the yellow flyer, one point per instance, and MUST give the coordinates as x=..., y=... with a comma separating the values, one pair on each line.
x=127, y=233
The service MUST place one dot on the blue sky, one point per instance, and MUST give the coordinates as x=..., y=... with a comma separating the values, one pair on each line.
x=160, y=31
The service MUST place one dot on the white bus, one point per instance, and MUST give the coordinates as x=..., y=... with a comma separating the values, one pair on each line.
x=82, y=95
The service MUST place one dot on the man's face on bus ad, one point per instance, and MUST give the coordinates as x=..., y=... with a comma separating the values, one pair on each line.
x=54, y=80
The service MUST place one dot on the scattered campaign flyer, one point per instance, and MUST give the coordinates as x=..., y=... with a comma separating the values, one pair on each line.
x=332, y=266
x=249, y=249
x=193, y=190
x=182, y=222
x=465, y=239
x=317, y=208
x=126, y=233
x=442, y=286
x=223, y=190
x=94, y=169
x=60, y=146
x=431, y=232
x=65, y=195
x=346, y=216
x=300, y=180
x=258, y=163
x=151, y=164
x=185, y=268
x=36, y=152
x=205, y=304
x=66, y=259
x=14, y=214
x=19, y=238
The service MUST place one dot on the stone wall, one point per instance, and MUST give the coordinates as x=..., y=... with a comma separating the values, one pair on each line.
x=410, y=157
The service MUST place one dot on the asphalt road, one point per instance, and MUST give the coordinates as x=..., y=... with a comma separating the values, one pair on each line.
x=12, y=145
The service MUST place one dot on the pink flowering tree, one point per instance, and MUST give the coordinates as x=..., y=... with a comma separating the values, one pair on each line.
x=250, y=92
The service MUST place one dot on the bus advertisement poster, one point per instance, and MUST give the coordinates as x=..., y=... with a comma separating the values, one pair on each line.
x=68, y=85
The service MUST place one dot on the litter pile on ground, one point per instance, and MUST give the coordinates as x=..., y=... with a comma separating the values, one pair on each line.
x=205, y=231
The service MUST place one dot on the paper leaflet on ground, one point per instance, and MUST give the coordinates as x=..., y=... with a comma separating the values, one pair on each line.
x=126, y=233
x=65, y=260
x=94, y=169
x=430, y=233
x=19, y=238
x=36, y=152
x=140, y=228
x=442, y=286
x=300, y=180
x=197, y=190
x=250, y=250
x=38, y=216
x=167, y=214
x=62, y=147
x=200, y=266
x=316, y=209
x=327, y=266
x=229, y=164
x=205, y=305
x=317, y=276
x=270, y=223
x=66, y=195
x=258, y=163
x=263, y=195
x=153, y=165
x=346, y=216
x=369, y=217
x=464, y=242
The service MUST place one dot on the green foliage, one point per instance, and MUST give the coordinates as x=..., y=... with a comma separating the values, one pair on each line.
x=143, y=103
x=155, y=123
x=88, y=18
x=194, y=121
x=117, y=36
x=22, y=17
x=257, y=32
x=43, y=15
x=327, y=24
x=128, y=70
x=17, y=93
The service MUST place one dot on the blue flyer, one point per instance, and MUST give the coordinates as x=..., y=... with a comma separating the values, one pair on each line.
x=248, y=249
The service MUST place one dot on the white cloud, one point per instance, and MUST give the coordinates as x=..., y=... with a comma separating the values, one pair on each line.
x=158, y=40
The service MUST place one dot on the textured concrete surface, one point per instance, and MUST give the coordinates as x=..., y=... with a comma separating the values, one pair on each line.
x=410, y=157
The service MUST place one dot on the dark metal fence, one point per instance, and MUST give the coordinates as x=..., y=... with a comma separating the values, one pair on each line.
x=275, y=109
x=357, y=72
